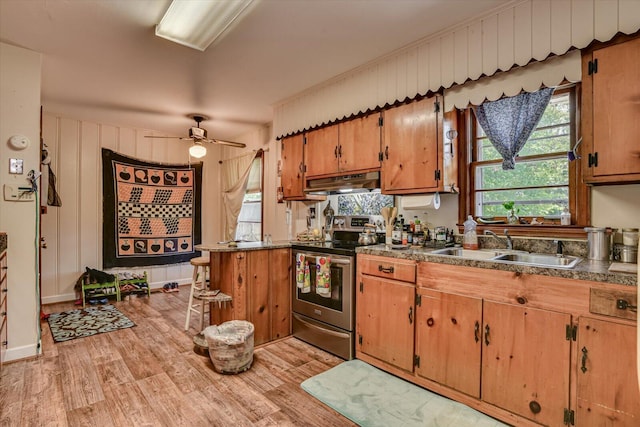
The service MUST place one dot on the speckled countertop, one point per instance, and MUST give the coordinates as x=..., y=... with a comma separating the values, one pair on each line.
x=242, y=246
x=596, y=271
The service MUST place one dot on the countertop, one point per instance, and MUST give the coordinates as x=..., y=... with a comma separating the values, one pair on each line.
x=596, y=271
x=242, y=246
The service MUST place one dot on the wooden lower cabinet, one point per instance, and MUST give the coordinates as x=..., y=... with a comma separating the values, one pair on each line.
x=607, y=378
x=526, y=361
x=448, y=334
x=509, y=344
x=384, y=320
x=260, y=285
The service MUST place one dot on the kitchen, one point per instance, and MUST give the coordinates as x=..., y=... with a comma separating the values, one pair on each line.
x=75, y=229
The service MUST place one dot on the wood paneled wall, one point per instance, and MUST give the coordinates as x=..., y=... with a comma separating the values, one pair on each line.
x=73, y=232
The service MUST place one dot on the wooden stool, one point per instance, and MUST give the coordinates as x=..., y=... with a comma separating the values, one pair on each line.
x=200, y=291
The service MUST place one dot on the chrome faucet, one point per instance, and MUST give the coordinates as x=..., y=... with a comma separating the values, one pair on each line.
x=506, y=233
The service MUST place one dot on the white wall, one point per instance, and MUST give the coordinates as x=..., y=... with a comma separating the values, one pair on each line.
x=73, y=232
x=20, y=114
x=616, y=206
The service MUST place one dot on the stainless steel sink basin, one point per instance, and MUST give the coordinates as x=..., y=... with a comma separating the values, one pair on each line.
x=540, y=260
x=481, y=254
x=510, y=256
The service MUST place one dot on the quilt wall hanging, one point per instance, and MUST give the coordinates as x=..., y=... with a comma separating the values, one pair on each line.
x=151, y=211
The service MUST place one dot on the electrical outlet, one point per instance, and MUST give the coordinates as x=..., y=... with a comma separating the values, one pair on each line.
x=16, y=193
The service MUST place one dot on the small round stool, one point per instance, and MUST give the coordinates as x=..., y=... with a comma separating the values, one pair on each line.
x=230, y=346
x=200, y=269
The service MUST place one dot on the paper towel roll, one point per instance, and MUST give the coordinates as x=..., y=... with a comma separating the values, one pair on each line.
x=423, y=201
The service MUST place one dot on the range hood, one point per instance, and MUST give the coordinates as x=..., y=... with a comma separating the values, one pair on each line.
x=344, y=184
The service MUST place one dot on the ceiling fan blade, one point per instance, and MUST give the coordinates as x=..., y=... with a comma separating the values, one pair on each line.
x=229, y=143
x=166, y=137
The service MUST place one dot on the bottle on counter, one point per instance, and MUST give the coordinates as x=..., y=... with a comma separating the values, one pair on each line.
x=470, y=237
x=396, y=233
x=417, y=225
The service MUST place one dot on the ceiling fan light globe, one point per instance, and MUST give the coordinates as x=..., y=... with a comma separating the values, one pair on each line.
x=197, y=151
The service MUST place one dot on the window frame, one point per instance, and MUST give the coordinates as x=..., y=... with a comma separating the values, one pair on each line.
x=259, y=156
x=578, y=191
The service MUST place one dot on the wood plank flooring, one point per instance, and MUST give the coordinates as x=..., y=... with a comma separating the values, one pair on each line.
x=149, y=375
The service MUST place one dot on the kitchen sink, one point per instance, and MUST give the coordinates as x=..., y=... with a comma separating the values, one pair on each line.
x=511, y=256
x=481, y=254
x=540, y=260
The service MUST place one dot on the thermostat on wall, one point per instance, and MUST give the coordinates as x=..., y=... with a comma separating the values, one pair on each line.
x=19, y=142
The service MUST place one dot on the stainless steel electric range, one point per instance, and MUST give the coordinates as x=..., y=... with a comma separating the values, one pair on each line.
x=328, y=321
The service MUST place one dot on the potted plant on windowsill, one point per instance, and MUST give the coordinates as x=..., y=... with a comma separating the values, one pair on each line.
x=512, y=212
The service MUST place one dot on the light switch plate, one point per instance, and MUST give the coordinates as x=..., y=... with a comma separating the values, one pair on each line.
x=16, y=166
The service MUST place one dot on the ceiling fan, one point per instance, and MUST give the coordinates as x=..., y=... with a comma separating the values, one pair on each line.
x=199, y=135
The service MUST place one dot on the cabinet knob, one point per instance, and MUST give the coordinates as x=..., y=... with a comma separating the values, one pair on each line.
x=521, y=300
x=430, y=322
x=535, y=407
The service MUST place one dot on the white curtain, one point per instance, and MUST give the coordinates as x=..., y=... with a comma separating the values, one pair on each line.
x=235, y=173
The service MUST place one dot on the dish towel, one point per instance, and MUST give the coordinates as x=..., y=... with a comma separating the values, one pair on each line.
x=323, y=276
x=306, y=287
x=300, y=270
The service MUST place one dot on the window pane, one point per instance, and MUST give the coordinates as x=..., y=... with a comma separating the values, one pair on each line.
x=537, y=202
x=539, y=187
x=526, y=174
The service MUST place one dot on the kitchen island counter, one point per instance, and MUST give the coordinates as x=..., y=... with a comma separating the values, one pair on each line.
x=242, y=246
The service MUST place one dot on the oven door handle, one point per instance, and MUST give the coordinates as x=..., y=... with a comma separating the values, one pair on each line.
x=333, y=260
x=323, y=330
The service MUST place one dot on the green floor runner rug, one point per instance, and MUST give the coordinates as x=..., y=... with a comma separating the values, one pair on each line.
x=371, y=397
x=85, y=322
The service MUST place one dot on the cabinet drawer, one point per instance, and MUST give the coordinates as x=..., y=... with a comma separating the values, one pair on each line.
x=390, y=268
x=613, y=302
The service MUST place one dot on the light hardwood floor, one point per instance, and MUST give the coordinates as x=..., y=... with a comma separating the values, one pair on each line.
x=149, y=375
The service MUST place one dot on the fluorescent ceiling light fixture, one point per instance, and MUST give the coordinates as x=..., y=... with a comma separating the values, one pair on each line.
x=197, y=151
x=198, y=23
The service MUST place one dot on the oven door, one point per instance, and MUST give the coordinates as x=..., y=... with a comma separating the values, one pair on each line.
x=336, y=308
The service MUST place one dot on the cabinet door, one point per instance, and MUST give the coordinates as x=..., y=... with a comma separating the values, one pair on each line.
x=259, y=312
x=359, y=144
x=616, y=90
x=448, y=340
x=411, y=154
x=292, y=167
x=321, y=152
x=280, y=288
x=607, y=381
x=526, y=361
x=384, y=320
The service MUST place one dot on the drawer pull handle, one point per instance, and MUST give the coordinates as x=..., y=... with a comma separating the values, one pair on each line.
x=583, y=368
x=476, y=331
x=385, y=269
x=410, y=315
x=623, y=304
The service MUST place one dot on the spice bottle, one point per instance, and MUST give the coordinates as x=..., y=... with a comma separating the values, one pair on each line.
x=470, y=237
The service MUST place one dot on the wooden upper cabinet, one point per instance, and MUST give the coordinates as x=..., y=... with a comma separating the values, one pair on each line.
x=611, y=112
x=412, y=158
x=321, y=152
x=352, y=146
x=607, y=382
x=359, y=146
x=293, y=167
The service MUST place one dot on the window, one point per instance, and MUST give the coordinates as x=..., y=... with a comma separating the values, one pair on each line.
x=250, y=218
x=542, y=181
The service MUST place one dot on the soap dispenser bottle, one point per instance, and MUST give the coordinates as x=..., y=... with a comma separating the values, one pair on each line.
x=470, y=237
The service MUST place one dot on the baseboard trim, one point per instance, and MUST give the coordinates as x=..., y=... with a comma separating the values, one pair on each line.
x=18, y=353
